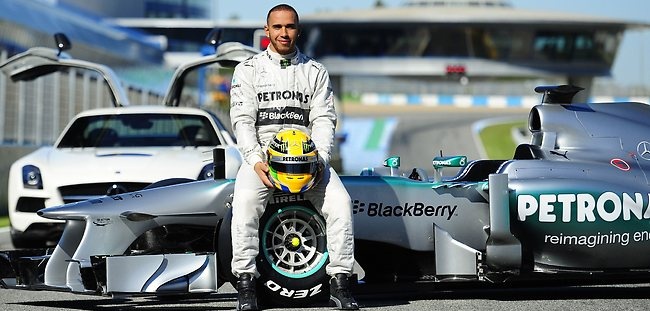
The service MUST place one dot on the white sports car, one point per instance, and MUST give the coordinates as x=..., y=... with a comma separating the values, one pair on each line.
x=113, y=150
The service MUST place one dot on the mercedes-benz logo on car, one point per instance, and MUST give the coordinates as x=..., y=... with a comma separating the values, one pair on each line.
x=116, y=189
x=643, y=149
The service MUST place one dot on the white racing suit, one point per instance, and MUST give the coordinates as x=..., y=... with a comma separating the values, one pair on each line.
x=270, y=92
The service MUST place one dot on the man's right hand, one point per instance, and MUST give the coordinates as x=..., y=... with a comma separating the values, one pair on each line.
x=262, y=170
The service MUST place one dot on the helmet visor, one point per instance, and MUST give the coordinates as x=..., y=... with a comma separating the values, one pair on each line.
x=294, y=168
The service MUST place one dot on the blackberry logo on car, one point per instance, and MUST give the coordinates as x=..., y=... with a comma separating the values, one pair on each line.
x=406, y=209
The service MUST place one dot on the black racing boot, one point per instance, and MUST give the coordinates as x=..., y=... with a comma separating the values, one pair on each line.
x=246, y=296
x=340, y=295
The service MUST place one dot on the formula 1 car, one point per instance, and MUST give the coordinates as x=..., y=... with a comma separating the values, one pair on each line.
x=574, y=203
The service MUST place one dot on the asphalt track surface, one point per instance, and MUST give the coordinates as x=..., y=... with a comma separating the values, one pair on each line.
x=420, y=134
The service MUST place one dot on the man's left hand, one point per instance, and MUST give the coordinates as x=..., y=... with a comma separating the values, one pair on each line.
x=262, y=170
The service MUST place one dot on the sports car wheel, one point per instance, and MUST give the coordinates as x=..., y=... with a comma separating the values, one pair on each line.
x=293, y=255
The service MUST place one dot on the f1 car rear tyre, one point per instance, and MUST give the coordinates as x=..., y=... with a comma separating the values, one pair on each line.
x=292, y=258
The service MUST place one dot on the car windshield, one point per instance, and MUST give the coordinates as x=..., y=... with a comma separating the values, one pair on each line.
x=140, y=130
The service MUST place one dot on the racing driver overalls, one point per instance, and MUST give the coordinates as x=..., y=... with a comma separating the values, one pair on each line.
x=270, y=92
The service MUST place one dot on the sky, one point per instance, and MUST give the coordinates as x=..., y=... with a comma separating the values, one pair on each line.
x=631, y=67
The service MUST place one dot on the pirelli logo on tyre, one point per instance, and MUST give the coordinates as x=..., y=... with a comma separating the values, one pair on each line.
x=406, y=209
x=286, y=198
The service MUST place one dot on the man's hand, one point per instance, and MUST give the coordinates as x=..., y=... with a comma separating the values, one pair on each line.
x=262, y=170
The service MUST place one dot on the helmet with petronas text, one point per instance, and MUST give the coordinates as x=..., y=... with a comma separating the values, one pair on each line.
x=293, y=161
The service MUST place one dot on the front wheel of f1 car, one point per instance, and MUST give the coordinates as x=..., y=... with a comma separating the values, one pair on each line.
x=293, y=256
x=37, y=236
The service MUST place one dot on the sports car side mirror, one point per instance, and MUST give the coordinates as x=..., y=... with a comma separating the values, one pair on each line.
x=214, y=38
x=62, y=42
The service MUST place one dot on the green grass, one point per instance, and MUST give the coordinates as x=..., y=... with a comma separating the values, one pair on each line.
x=497, y=139
x=4, y=221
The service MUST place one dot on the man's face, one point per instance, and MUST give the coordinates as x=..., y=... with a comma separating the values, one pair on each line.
x=282, y=30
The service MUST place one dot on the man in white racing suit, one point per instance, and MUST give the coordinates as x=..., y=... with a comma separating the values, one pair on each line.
x=276, y=89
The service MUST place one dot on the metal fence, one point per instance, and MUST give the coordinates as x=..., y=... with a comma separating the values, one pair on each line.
x=35, y=112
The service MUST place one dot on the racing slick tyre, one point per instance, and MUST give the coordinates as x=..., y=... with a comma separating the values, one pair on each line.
x=292, y=258
x=224, y=249
x=41, y=235
x=22, y=240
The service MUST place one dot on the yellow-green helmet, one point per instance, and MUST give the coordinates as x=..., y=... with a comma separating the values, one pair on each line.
x=293, y=161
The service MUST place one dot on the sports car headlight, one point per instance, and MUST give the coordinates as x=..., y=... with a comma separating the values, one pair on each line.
x=32, y=177
x=207, y=172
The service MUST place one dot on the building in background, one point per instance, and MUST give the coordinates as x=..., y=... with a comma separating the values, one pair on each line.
x=462, y=47
x=424, y=51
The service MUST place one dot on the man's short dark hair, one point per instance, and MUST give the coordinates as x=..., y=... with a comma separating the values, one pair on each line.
x=283, y=7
